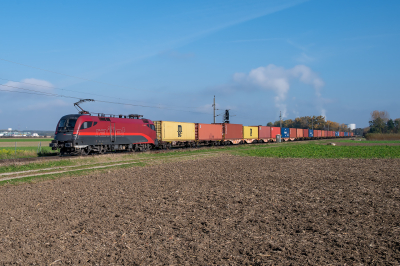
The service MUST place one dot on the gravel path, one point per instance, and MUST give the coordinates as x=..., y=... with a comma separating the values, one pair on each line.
x=223, y=210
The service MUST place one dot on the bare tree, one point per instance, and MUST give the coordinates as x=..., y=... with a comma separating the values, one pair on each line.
x=384, y=115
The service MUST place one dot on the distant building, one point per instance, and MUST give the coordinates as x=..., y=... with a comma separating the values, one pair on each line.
x=351, y=126
x=35, y=135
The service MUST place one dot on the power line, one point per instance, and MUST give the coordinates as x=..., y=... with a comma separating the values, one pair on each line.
x=71, y=97
x=85, y=79
x=52, y=87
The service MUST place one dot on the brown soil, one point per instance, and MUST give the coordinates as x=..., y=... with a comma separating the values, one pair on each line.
x=222, y=210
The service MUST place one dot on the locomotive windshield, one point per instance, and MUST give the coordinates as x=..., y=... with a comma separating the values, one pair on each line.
x=66, y=125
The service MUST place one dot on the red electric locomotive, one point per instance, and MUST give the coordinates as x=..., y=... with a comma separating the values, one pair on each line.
x=83, y=133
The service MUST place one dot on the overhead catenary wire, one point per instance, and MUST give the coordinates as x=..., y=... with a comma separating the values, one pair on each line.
x=88, y=93
x=30, y=91
x=85, y=79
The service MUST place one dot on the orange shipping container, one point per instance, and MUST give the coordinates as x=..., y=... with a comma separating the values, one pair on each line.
x=208, y=131
x=232, y=131
x=264, y=132
x=299, y=133
x=275, y=131
x=292, y=133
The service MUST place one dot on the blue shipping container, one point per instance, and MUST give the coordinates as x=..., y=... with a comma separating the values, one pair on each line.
x=285, y=132
x=310, y=133
x=346, y=134
x=336, y=133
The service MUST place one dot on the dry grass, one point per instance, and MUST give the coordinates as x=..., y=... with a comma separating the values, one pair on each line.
x=380, y=136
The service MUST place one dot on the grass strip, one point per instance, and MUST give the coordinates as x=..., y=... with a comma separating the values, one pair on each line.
x=37, y=178
x=24, y=140
x=324, y=151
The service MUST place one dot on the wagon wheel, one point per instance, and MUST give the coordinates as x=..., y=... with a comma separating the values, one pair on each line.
x=144, y=148
x=84, y=152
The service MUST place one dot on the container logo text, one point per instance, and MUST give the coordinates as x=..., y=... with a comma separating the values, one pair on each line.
x=179, y=131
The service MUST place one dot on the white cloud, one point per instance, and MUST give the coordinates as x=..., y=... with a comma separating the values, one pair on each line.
x=32, y=94
x=278, y=79
x=29, y=86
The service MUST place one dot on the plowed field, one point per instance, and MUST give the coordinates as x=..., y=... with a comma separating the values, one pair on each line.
x=222, y=210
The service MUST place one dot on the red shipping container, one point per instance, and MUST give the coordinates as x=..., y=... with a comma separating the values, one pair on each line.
x=305, y=133
x=208, y=131
x=232, y=131
x=275, y=131
x=292, y=133
x=317, y=133
x=299, y=133
x=322, y=133
x=264, y=132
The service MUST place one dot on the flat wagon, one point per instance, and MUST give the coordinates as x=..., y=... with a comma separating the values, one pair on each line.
x=208, y=134
x=299, y=133
x=250, y=134
x=275, y=131
x=264, y=133
x=171, y=133
x=232, y=133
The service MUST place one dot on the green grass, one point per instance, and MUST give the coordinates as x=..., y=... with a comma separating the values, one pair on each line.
x=366, y=141
x=24, y=139
x=24, y=152
x=35, y=166
x=31, y=179
x=323, y=151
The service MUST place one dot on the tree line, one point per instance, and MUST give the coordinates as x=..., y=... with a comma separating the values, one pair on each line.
x=382, y=123
x=309, y=122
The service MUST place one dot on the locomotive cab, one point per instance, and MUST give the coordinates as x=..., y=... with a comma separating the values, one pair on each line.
x=65, y=133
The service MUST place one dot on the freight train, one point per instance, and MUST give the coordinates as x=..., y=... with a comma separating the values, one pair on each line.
x=83, y=133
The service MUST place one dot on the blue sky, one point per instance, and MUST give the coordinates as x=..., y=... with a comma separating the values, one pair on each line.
x=331, y=57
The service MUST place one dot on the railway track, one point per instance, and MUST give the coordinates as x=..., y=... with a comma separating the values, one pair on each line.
x=97, y=165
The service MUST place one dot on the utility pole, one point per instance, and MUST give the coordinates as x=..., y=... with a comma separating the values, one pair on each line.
x=280, y=118
x=214, y=108
x=312, y=121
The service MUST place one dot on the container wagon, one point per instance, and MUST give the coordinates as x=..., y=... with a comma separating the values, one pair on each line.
x=231, y=133
x=299, y=134
x=275, y=131
x=305, y=133
x=250, y=134
x=285, y=133
x=292, y=133
x=208, y=134
x=171, y=133
x=264, y=133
